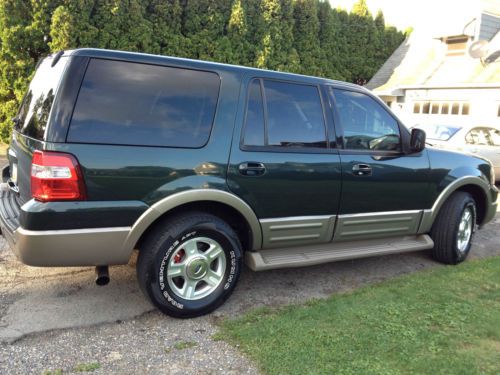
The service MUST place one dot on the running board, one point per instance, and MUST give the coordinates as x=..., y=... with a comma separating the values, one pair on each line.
x=333, y=251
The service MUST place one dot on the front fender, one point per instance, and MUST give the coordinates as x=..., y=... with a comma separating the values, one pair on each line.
x=467, y=171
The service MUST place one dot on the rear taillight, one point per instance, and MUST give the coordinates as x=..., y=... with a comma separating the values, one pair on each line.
x=56, y=176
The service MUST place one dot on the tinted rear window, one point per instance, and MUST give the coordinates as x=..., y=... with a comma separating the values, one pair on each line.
x=295, y=115
x=35, y=109
x=139, y=104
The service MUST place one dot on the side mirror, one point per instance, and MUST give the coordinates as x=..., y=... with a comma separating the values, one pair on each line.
x=417, y=140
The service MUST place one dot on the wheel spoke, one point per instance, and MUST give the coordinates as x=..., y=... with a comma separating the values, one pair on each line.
x=465, y=229
x=212, y=278
x=175, y=269
x=189, y=288
x=190, y=247
x=213, y=252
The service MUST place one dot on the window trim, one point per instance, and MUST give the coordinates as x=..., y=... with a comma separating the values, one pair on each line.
x=212, y=125
x=403, y=132
x=280, y=149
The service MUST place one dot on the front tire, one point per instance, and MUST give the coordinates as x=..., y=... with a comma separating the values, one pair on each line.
x=454, y=228
x=189, y=264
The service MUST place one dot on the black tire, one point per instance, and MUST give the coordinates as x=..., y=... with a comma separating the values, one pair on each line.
x=445, y=230
x=164, y=242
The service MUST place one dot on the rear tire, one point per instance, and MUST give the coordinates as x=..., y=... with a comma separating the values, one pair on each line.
x=189, y=264
x=454, y=228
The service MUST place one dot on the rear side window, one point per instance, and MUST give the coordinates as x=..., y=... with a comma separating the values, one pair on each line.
x=293, y=115
x=37, y=103
x=254, y=128
x=139, y=104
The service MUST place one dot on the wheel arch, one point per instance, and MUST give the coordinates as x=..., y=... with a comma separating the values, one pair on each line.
x=473, y=185
x=220, y=203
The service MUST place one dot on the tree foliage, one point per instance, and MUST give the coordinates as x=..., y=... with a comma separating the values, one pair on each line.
x=301, y=36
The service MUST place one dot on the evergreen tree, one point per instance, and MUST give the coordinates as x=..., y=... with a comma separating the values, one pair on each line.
x=343, y=44
x=379, y=54
x=21, y=48
x=234, y=46
x=275, y=50
x=306, y=39
x=329, y=41
x=303, y=36
x=61, y=30
x=165, y=18
x=205, y=22
x=362, y=42
x=72, y=25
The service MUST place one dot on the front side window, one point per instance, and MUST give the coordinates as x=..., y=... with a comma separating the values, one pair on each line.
x=149, y=105
x=294, y=115
x=365, y=123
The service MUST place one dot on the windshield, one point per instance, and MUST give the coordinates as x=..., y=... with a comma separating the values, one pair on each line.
x=438, y=132
x=35, y=108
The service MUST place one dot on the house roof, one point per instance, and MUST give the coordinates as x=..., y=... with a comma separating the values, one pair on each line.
x=421, y=60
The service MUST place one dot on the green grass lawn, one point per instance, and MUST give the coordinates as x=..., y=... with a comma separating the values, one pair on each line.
x=443, y=321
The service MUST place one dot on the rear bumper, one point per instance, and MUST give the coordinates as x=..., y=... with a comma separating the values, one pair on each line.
x=71, y=247
x=65, y=247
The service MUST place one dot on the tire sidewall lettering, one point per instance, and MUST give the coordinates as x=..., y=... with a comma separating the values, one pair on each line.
x=161, y=272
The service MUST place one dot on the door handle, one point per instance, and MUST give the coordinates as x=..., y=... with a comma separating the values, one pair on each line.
x=252, y=168
x=362, y=170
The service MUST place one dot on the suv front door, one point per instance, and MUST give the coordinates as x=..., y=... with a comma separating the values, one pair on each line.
x=384, y=189
x=282, y=164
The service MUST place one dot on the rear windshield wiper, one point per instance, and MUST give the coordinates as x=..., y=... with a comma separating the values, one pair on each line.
x=56, y=58
x=16, y=120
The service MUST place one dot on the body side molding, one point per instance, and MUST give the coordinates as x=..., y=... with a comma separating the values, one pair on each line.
x=189, y=196
x=430, y=214
x=297, y=230
x=376, y=225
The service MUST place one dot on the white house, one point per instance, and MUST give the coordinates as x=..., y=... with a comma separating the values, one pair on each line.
x=433, y=78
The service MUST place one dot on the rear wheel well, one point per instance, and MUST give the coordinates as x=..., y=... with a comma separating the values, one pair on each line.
x=227, y=213
x=479, y=197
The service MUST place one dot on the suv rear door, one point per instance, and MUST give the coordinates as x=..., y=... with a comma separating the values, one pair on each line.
x=282, y=163
x=31, y=122
x=384, y=188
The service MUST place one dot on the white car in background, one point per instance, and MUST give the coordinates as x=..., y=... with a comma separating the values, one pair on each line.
x=480, y=140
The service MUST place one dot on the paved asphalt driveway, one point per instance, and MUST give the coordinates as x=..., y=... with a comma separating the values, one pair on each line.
x=56, y=318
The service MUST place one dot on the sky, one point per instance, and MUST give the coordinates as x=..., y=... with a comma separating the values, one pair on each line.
x=419, y=13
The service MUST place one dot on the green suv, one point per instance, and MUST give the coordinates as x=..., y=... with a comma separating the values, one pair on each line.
x=199, y=166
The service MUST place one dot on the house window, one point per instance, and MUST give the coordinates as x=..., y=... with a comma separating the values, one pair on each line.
x=456, y=46
x=435, y=108
x=416, y=108
x=465, y=109
x=425, y=107
x=445, y=109
x=455, y=108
